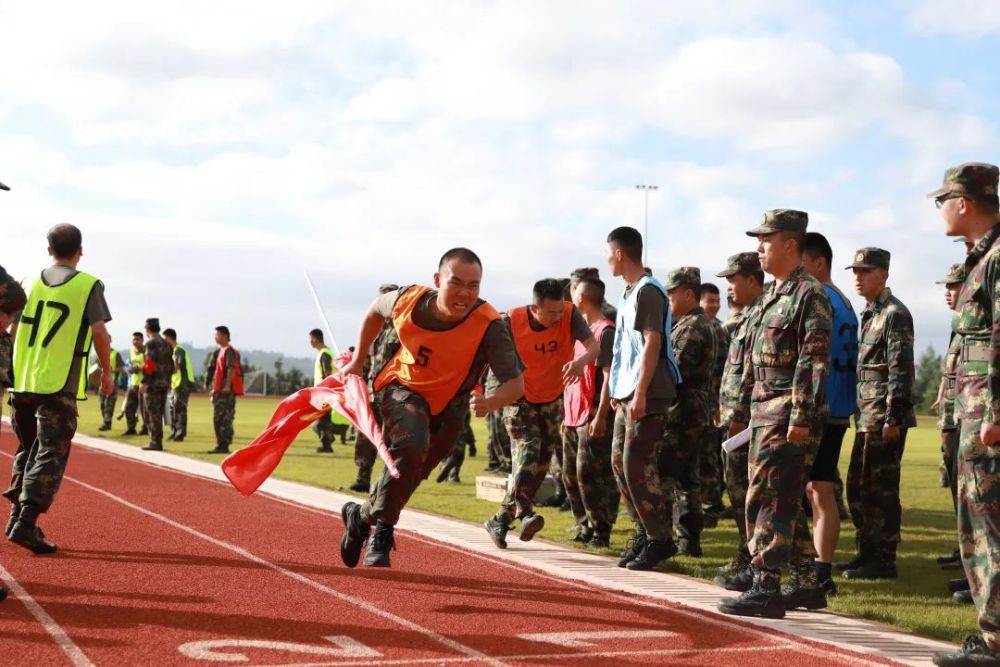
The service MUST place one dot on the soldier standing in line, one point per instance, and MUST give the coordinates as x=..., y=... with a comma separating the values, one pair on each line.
x=588, y=426
x=12, y=300
x=322, y=369
x=227, y=384
x=364, y=451
x=785, y=374
x=544, y=335
x=499, y=442
x=969, y=208
x=643, y=386
x=108, y=402
x=689, y=419
x=746, y=286
x=841, y=397
x=885, y=413
x=947, y=424
x=132, y=399
x=64, y=314
x=158, y=368
x=181, y=383
x=711, y=461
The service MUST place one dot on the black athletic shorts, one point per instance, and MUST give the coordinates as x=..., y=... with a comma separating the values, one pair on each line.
x=825, y=466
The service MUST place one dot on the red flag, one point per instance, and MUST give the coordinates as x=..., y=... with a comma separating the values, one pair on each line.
x=247, y=468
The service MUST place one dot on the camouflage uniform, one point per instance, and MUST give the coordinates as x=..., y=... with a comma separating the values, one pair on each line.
x=785, y=377
x=451, y=467
x=711, y=461
x=133, y=407
x=12, y=300
x=365, y=453
x=108, y=402
x=689, y=419
x=948, y=424
x=978, y=403
x=885, y=398
x=731, y=409
x=499, y=444
x=534, y=436
x=157, y=384
x=179, y=396
x=224, y=406
x=590, y=484
x=324, y=425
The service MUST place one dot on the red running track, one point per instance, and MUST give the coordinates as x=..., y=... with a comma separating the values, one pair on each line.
x=161, y=568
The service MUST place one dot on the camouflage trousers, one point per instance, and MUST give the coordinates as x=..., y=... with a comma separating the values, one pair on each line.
x=680, y=473
x=588, y=477
x=499, y=445
x=949, y=462
x=223, y=414
x=737, y=485
x=710, y=464
x=156, y=403
x=178, y=402
x=133, y=408
x=417, y=442
x=45, y=426
x=534, y=437
x=364, y=458
x=778, y=471
x=324, y=429
x=108, y=407
x=873, y=493
x=636, y=450
x=979, y=528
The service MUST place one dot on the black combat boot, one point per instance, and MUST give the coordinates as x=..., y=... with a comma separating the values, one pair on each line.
x=356, y=533
x=690, y=546
x=634, y=547
x=973, y=653
x=497, y=530
x=530, y=525
x=379, y=546
x=28, y=535
x=882, y=565
x=15, y=512
x=803, y=590
x=652, y=553
x=763, y=599
x=736, y=575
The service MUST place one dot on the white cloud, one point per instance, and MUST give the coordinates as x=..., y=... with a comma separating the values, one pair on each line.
x=959, y=17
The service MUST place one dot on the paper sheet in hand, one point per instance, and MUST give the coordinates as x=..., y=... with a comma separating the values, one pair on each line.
x=737, y=441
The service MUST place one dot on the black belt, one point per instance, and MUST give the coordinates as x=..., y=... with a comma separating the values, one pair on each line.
x=764, y=374
x=976, y=352
x=872, y=375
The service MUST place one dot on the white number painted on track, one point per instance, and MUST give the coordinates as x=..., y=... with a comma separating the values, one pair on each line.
x=229, y=650
x=585, y=639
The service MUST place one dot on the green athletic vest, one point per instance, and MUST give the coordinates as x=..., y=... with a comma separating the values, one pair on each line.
x=136, y=360
x=175, y=379
x=318, y=375
x=52, y=335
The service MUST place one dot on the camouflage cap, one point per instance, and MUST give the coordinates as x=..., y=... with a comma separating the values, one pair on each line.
x=741, y=262
x=870, y=258
x=686, y=275
x=956, y=274
x=385, y=288
x=4, y=187
x=781, y=220
x=12, y=296
x=969, y=178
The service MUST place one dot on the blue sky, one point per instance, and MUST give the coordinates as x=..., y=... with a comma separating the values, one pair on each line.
x=211, y=153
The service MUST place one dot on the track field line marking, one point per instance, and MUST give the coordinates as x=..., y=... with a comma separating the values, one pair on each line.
x=361, y=604
x=76, y=655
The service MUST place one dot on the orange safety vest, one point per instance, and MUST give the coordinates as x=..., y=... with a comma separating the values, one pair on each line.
x=544, y=353
x=433, y=364
x=220, y=371
x=579, y=396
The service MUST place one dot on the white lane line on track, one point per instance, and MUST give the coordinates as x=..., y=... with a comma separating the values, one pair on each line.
x=535, y=657
x=468, y=651
x=76, y=655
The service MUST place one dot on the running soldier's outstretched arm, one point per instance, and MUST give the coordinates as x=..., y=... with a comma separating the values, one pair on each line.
x=371, y=325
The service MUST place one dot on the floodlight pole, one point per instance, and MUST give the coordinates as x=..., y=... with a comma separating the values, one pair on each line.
x=322, y=314
x=645, y=231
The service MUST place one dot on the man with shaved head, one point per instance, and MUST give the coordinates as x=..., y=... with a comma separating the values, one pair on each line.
x=65, y=313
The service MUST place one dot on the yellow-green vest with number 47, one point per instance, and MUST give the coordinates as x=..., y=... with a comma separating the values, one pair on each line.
x=176, y=378
x=53, y=335
x=318, y=375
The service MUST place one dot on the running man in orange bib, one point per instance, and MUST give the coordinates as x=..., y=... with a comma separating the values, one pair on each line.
x=440, y=341
x=544, y=333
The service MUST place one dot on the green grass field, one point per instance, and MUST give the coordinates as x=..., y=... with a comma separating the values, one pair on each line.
x=918, y=601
